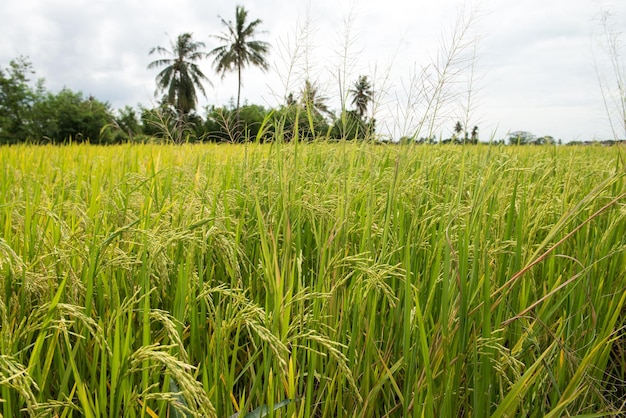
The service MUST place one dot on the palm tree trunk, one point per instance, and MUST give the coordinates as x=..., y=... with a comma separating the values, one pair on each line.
x=238, y=86
x=237, y=127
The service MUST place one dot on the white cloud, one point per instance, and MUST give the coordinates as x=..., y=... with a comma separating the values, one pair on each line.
x=535, y=63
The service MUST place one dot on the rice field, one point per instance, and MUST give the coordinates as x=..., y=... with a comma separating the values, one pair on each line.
x=312, y=280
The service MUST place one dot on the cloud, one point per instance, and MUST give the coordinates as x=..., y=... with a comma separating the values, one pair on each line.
x=534, y=61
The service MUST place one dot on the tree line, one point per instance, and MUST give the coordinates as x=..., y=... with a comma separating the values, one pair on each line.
x=31, y=113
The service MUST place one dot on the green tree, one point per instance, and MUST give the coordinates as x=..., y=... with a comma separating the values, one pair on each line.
x=239, y=49
x=221, y=125
x=70, y=116
x=32, y=114
x=458, y=130
x=311, y=99
x=311, y=112
x=181, y=77
x=351, y=126
x=474, y=137
x=521, y=138
x=167, y=124
x=545, y=140
x=127, y=124
x=17, y=99
x=304, y=117
x=362, y=95
x=290, y=100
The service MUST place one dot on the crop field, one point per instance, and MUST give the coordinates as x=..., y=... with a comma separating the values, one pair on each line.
x=312, y=280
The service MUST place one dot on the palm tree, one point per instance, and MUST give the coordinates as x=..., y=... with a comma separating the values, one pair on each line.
x=181, y=76
x=362, y=95
x=239, y=49
x=474, y=136
x=458, y=130
x=313, y=100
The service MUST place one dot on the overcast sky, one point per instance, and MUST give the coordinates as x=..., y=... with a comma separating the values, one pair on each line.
x=533, y=59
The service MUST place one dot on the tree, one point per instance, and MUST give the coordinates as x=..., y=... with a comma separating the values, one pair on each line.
x=304, y=117
x=181, y=77
x=127, y=124
x=545, y=140
x=474, y=137
x=290, y=122
x=17, y=99
x=362, y=95
x=290, y=100
x=458, y=130
x=351, y=126
x=169, y=125
x=69, y=116
x=521, y=138
x=220, y=124
x=239, y=48
x=312, y=100
x=33, y=114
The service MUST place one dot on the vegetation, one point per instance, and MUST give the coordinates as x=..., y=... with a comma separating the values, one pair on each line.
x=362, y=95
x=344, y=279
x=31, y=114
x=181, y=76
x=527, y=138
x=239, y=49
x=294, y=273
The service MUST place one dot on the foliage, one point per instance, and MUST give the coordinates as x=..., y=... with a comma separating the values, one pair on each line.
x=474, y=135
x=351, y=126
x=312, y=101
x=364, y=280
x=30, y=113
x=17, y=99
x=300, y=122
x=461, y=135
x=181, y=76
x=238, y=48
x=165, y=124
x=521, y=138
x=68, y=116
x=545, y=140
x=225, y=124
x=35, y=115
x=362, y=95
x=527, y=138
x=127, y=124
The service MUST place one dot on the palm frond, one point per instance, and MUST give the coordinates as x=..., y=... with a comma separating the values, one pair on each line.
x=237, y=49
x=181, y=76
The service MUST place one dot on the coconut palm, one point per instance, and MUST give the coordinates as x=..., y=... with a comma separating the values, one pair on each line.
x=474, y=136
x=181, y=77
x=458, y=130
x=362, y=95
x=239, y=48
x=312, y=99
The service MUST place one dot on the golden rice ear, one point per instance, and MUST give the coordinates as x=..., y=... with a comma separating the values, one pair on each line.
x=356, y=278
x=14, y=377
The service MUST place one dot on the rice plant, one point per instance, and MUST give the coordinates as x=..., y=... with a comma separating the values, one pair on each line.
x=312, y=280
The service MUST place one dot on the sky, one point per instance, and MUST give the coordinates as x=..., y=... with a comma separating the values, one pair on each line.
x=527, y=65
